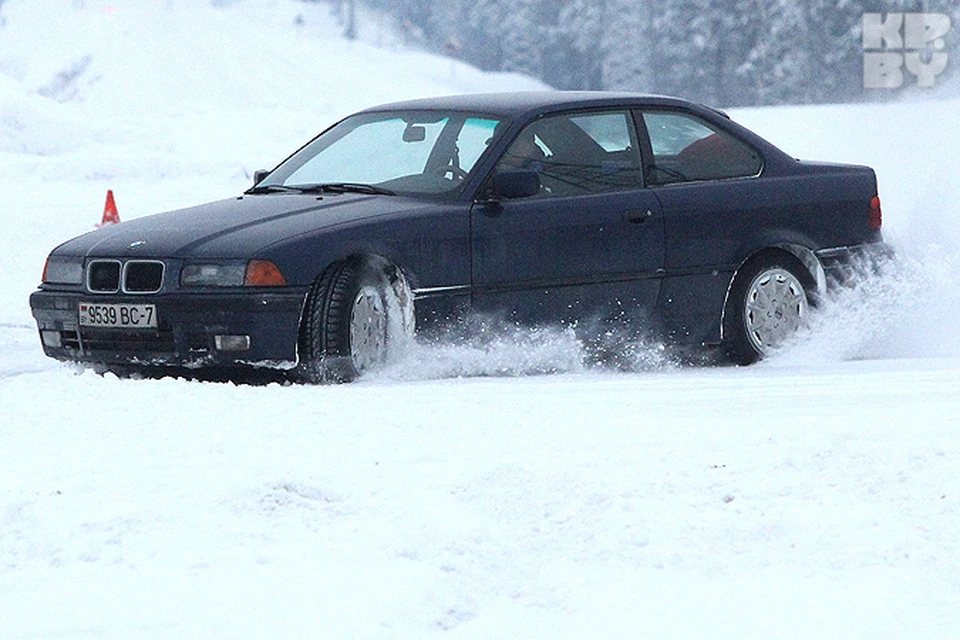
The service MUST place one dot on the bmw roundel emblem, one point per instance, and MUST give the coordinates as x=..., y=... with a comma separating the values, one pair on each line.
x=138, y=243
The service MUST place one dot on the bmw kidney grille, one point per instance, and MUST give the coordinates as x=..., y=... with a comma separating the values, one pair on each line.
x=133, y=276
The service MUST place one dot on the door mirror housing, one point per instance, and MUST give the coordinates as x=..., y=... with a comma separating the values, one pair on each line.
x=516, y=183
x=259, y=175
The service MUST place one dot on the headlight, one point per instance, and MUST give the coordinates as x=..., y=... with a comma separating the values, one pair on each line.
x=60, y=270
x=213, y=275
x=256, y=273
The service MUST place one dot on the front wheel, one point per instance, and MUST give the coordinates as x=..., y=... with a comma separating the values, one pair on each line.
x=768, y=304
x=358, y=314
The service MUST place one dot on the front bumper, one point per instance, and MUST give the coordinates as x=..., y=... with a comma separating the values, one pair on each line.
x=188, y=326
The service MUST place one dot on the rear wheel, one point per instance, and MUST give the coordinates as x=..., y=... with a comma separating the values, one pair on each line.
x=358, y=314
x=768, y=304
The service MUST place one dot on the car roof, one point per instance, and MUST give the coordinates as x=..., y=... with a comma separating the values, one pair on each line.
x=516, y=104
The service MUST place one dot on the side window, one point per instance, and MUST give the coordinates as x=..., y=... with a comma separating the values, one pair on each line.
x=578, y=153
x=686, y=149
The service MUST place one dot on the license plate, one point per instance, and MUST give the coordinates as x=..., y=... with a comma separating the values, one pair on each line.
x=125, y=316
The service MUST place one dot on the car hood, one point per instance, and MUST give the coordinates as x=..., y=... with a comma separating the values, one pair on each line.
x=235, y=228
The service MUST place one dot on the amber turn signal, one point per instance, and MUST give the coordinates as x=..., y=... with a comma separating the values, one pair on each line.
x=263, y=273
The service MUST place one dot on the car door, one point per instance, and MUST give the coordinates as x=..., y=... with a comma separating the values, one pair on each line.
x=589, y=245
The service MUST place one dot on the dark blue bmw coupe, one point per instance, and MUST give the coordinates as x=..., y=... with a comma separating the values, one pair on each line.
x=573, y=209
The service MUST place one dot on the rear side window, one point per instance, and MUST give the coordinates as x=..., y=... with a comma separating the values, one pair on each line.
x=577, y=154
x=687, y=149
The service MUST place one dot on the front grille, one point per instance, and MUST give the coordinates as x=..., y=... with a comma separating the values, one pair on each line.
x=70, y=340
x=140, y=276
x=103, y=276
x=128, y=342
x=134, y=276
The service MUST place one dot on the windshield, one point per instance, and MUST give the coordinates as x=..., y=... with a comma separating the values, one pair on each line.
x=410, y=153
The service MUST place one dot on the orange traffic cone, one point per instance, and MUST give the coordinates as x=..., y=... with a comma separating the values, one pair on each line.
x=110, y=215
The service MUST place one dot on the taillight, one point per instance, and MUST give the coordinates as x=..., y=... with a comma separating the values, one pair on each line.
x=876, y=215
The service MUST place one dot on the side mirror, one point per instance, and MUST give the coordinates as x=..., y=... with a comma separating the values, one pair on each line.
x=259, y=175
x=516, y=183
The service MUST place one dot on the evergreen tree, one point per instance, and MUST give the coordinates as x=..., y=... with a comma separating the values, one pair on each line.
x=727, y=53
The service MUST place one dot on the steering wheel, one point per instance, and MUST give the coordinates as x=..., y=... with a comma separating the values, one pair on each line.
x=457, y=172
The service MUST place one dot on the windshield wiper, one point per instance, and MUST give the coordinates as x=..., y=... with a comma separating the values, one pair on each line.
x=271, y=188
x=328, y=187
x=347, y=187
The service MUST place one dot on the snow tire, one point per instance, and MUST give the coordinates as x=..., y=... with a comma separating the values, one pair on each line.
x=358, y=314
x=768, y=303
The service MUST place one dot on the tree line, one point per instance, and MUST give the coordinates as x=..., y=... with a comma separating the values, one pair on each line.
x=725, y=53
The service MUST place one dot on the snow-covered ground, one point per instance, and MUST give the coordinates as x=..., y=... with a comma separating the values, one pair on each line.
x=815, y=495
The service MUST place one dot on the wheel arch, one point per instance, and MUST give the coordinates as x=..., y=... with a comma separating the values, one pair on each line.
x=807, y=263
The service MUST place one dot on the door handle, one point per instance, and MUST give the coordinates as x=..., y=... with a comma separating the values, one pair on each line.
x=637, y=217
